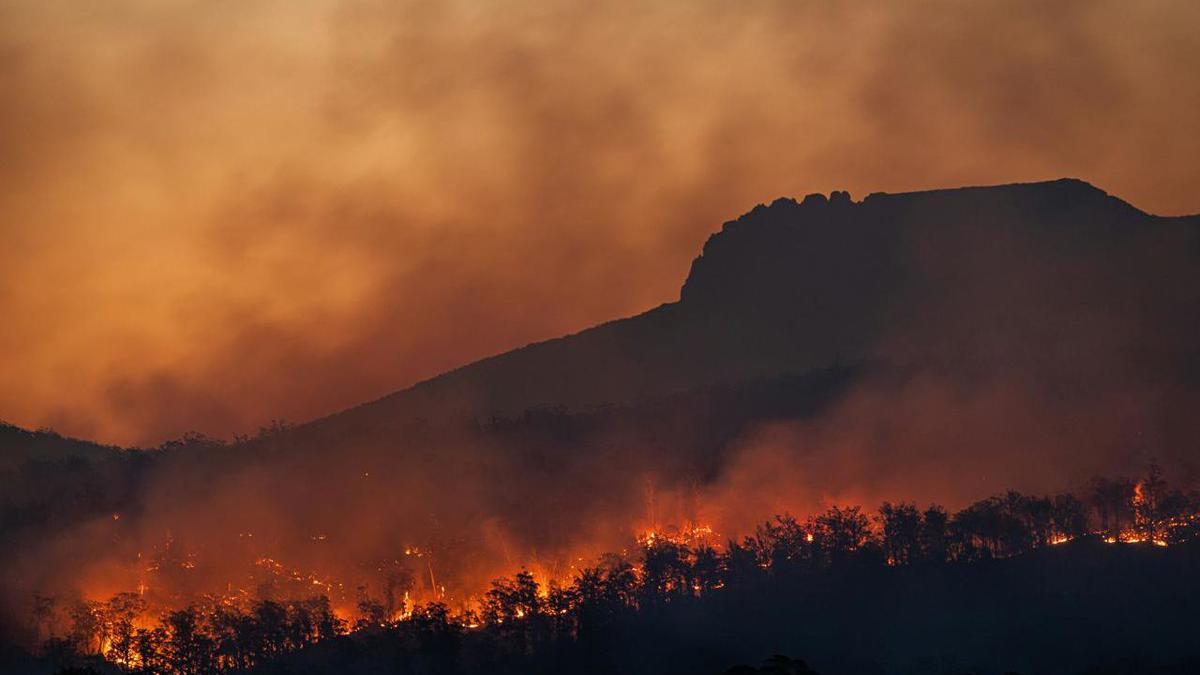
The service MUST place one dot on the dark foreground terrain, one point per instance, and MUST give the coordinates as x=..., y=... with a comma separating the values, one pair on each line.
x=1087, y=607
x=1081, y=607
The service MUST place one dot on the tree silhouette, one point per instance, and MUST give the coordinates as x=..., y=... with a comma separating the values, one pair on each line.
x=397, y=582
x=42, y=612
x=150, y=645
x=933, y=536
x=841, y=532
x=1112, y=500
x=901, y=526
x=120, y=613
x=708, y=569
x=1068, y=516
x=87, y=626
x=371, y=613
x=438, y=637
x=514, y=608
x=188, y=648
x=977, y=530
x=1150, y=497
x=666, y=574
x=784, y=545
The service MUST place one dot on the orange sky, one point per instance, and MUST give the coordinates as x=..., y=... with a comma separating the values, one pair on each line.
x=215, y=214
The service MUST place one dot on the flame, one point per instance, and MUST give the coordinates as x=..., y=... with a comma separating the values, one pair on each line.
x=154, y=576
x=688, y=535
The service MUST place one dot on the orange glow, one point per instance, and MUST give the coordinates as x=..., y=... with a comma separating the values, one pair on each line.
x=465, y=599
x=384, y=190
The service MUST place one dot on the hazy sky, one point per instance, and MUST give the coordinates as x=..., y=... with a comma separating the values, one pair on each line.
x=217, y=213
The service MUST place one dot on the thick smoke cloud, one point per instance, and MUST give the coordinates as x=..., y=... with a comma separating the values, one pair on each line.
x=214, y=215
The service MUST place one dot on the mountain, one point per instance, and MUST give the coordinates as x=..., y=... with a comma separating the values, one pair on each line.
x=1045, y=292
x=967, y=275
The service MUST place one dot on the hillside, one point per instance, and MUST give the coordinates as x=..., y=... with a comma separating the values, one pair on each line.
x=18, y=446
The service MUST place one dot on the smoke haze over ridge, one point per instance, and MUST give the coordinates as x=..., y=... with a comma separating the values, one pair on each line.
x=219, y=214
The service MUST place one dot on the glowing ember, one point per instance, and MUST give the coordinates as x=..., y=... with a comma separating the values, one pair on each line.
x=668, y=563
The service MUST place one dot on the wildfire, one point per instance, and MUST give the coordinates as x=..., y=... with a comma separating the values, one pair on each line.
x=677, y=561
x=688, y=535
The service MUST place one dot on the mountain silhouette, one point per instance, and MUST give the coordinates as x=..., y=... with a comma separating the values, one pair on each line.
x=798, y=285
x=1057, y=278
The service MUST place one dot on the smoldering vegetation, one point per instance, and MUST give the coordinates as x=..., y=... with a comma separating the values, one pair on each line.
x=452, y=505
x=1102, y=581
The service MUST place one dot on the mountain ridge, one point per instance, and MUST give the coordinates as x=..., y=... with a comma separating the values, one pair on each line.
x=745, y=273
x=785, y=288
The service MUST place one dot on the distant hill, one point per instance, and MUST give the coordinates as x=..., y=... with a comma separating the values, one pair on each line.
x=18, y=446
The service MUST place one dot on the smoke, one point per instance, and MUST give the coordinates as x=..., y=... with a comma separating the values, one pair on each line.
x=935, y=439
x=215, y=216
x=283, y=517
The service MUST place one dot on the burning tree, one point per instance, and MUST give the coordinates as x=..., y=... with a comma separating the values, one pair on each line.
x=671, y=570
